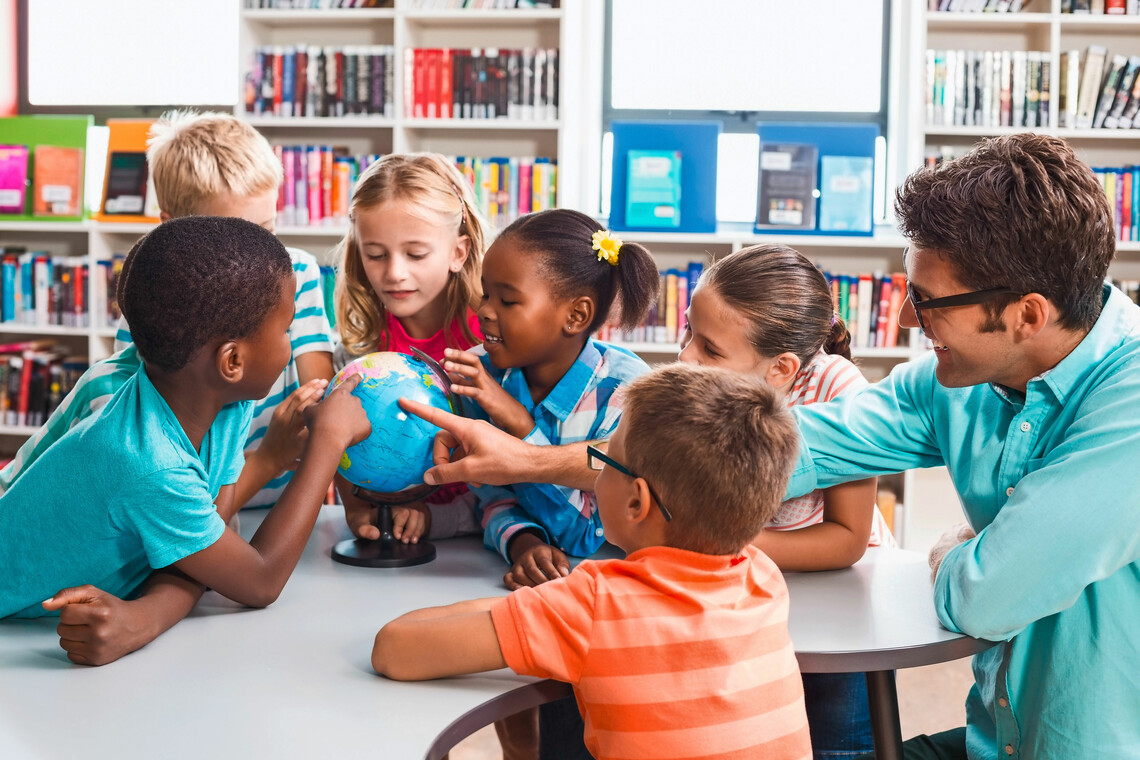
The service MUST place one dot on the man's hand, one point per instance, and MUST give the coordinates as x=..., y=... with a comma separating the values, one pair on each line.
x=470, y=451
x=96, y=628
x=410, y=522
x=951, y=538
x=535, y=562
x=285, y=436
x=470, y=378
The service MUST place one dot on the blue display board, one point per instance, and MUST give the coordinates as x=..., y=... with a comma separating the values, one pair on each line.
x=845, y=197
x=692, y=147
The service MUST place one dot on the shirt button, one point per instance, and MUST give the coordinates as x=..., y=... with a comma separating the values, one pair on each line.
x=1026, y=427
x=599, y=532
x=1009, y=491
x=1009, y=749
x=1003, y=702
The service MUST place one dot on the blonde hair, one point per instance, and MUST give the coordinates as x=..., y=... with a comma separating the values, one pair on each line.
x=195, y=157
x=434, y=186
x=717, y=446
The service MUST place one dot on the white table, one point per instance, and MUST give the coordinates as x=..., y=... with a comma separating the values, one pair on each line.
x=294, y=680
x=874, y=617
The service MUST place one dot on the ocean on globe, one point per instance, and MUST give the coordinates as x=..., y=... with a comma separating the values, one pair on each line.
x=398, y=452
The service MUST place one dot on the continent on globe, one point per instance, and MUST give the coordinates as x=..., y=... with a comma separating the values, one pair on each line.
x=398, y=452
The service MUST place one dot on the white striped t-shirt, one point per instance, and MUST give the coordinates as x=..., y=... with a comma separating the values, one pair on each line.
x=827, y=377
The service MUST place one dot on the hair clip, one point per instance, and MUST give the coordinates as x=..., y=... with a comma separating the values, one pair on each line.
x=834, y=318
x=462, y=204
x=608, y=246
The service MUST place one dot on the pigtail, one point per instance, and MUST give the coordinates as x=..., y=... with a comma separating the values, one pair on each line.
x=637, y=283
x=839, y=339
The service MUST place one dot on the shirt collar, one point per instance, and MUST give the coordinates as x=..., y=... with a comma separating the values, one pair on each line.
x=1119, y=318
x=568, y=392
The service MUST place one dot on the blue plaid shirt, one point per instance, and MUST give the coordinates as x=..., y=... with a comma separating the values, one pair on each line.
x=585, y=405
x=1049, y=483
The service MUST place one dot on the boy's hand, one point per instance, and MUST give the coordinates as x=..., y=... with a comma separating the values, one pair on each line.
x=340, y=416
x=410, y=521
x=537, y=564
x=285, y=437
x=95, y=627
x=469, y=378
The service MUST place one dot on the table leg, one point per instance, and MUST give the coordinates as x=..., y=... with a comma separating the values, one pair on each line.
x=884, y=703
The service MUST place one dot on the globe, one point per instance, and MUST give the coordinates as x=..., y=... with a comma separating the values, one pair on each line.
x=398, y=452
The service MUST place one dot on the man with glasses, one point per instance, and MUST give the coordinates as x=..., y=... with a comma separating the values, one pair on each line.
x=1031, y=399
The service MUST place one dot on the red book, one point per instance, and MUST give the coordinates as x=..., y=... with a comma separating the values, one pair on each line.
x=278, y=79
x=884, y=309
x=25, y=384
x=339, y=100
x=419, y=102
x=1115, y=7
x=526, y=178
x=445, y=78
x=82, y=318
x=300, y=81
x=326, y=183
x=431, y=83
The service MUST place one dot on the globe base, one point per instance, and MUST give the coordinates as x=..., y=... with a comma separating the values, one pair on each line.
x=382, y=553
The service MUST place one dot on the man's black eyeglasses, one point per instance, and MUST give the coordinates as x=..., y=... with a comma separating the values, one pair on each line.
x=596, y=459
x=961, y=299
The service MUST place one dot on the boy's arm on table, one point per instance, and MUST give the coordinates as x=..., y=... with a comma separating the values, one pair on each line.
x=839, y=541
x=254, y=573
x=475, y=451
x=439, y=641
x=96, y=627
x=283, y=442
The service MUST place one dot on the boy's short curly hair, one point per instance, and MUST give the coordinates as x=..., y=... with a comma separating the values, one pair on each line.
x=197, y=279
x=717, y=446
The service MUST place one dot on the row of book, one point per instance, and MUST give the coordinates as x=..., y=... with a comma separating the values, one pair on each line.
x=987, y=88
x=317, y=185
x=1110, y=7
x=56, y=180
x=1108, y=89
x=975, y=6
x=507, y=188
x=37, y=288
x=1122, y=186
x=311, y=80
x=869, y=304
x=481, y=83
x=319, y=5
x=35, y=376
x=415, y=4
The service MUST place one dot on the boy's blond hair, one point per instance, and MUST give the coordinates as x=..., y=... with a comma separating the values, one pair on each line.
x=196, y=157
x=437, y=192
x=717, y=447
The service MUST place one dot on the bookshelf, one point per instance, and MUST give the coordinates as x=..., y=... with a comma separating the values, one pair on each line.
x=403, y=29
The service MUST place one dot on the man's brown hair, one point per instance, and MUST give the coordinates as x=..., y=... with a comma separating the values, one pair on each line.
x=1020, y=211
x=717, y=447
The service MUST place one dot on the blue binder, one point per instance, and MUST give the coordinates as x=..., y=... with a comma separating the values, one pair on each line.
x=696, y=142
x=847, y=140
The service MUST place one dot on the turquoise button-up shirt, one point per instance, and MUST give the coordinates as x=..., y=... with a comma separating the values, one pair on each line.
x=1051, y=485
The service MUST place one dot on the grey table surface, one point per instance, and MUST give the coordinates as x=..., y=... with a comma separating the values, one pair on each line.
x=294, y=680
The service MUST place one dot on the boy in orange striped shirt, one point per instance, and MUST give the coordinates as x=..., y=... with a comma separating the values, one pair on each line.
x=681, y=650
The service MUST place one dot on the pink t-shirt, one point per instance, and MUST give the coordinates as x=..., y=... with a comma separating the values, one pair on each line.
x=400, y=342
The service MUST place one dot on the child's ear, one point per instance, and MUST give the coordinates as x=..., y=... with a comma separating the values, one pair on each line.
x=459, y=254
x=783, y=369
x=230, y=362
x=641, y=506
x=579, y=315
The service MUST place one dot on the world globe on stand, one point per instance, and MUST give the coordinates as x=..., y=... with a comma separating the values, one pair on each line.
x=398, y=452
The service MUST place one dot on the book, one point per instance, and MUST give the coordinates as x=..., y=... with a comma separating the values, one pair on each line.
x=846, y=193
x=786, y=194
x=1132, y=110
x=1070, y=81
x=126, y=183
x=1123, y=91
x=13, y=178
x=1091, y=69
x=1113, y=75
x=653, y=194
x=57, y=181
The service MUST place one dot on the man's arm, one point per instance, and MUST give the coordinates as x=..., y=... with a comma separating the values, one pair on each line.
x=475, y=451
x=439, y=641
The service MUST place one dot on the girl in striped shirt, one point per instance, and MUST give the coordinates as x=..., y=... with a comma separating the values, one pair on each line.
x=767, y=311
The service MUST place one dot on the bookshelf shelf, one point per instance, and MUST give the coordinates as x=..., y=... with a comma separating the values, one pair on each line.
x=19, y=328
x=496, y=124
x=351, y=121
x=497, y=17
x=941, y=19
x=1080, y=22
x=22, y=431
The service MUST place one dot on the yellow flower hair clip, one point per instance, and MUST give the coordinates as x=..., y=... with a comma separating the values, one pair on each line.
x=607, y=245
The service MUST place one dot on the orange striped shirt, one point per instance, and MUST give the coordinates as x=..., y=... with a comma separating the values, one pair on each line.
x=672, y=654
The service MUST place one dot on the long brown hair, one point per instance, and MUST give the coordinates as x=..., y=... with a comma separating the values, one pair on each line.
x=434, y=185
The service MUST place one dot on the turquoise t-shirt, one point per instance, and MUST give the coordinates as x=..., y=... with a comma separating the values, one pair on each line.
x=121, y=493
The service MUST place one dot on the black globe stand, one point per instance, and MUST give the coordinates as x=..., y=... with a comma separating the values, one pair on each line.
x=386, y=551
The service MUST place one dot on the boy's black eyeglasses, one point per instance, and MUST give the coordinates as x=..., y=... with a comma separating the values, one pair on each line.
x=596, y=460
x=962, y=299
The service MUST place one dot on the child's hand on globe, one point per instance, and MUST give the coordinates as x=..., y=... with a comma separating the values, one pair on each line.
x=340, y=416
